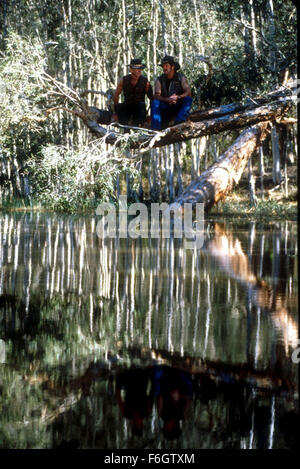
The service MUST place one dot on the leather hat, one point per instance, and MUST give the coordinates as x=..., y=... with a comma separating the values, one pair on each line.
x=136, y=64
x=169, y=59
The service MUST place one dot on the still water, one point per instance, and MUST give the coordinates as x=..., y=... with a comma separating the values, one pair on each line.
x=143, y=344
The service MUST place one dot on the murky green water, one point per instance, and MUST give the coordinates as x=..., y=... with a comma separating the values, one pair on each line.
x=205, y=336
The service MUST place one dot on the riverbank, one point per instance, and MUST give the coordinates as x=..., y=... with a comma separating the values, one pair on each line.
x=236, y=205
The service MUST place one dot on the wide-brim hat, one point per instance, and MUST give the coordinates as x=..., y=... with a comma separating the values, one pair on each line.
x=169, y=59
x=137, y=64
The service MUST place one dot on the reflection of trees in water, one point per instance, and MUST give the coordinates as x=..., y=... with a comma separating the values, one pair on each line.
x=209, y=413
x=274, y=297
x=66, y=295
x=154, y=292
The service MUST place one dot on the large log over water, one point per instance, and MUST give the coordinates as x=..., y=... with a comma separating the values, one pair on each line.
x=218, y=180
x=188, y=129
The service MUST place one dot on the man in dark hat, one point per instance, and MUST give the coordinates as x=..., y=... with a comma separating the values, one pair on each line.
x=172, y=96
x=135, y=87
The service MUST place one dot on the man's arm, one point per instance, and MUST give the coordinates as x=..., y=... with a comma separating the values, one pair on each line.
x=116, y=98
x=149, y=91
x=157, y=93
x=186, y=88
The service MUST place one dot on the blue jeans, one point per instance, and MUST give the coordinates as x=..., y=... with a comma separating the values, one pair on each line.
x=163, y=112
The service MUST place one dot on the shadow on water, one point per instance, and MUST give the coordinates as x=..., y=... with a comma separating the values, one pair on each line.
x=141, y=343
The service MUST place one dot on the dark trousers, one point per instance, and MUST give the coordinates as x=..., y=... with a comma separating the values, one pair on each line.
x=135, y=111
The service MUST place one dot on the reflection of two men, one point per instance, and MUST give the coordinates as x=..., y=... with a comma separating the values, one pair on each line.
x=173, y=391
x=134, y=397
x=136, y=390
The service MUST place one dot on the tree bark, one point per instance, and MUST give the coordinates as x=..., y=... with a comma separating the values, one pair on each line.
x=163, y=26
x=217, y=120
x=104, y=117
x=188, y=130
x=232, y=108
x=218, y=180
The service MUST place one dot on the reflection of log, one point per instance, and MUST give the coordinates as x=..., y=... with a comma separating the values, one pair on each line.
x=230, y=256
x=218, y=180
x=232, y=260
x=267, y=379
x=245, y=374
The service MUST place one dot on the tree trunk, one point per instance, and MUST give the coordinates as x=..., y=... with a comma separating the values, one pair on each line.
x=155, y=34
x=251, y=180
x=276, y=173
x=244, y=18
x=232, y=108
x=274, y=49
x=218, y=180
x=261, y=171
x=163, y=25
x=253, y=30
x=188, y=130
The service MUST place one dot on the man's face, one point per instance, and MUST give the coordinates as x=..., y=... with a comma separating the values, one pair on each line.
x=135, y=72
x=168, y=69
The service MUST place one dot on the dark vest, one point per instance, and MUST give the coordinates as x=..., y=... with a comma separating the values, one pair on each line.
x=134, y=94
x=175, y=86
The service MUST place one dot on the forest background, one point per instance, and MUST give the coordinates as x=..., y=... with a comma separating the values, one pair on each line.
x=50, y=159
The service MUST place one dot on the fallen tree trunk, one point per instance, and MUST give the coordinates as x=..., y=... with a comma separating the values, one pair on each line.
x=200, y=123
x=188, y=130
x=252, y=103
x=104, y=117
x=218, y=180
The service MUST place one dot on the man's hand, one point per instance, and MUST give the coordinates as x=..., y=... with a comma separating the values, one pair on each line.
x=115, y=117
x=173, y=99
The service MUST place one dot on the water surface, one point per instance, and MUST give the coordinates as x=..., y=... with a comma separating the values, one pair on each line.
x=206, y=336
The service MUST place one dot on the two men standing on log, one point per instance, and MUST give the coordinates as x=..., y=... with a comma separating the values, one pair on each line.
x=172, y=99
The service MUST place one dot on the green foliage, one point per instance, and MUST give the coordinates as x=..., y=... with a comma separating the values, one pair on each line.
x=271, y=208
x=263, y=210
x=22, y=90
x=75, y=179
x=36, y=38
